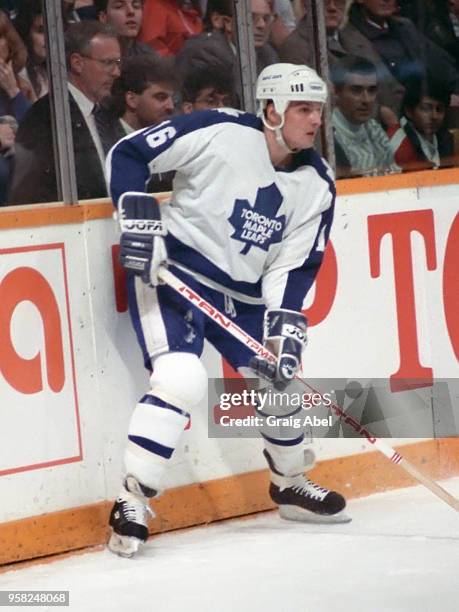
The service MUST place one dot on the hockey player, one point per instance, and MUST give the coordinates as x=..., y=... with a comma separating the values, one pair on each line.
x=231, y=168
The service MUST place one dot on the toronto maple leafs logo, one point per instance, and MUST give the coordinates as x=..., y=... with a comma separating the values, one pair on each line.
x=258, y=226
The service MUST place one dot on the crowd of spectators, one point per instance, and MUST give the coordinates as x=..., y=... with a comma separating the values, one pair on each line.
x=394, y=73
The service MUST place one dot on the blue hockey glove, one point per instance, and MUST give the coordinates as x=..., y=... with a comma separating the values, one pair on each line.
x=284, y=334
x=142, y=244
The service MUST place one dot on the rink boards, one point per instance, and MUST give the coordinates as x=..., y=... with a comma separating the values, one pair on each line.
x=386, y=305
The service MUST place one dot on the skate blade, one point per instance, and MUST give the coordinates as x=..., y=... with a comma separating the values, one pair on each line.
x=124, y=546
x=293, y=513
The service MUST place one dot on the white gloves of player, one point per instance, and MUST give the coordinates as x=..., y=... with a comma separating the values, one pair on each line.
x=142, y=244
x=284, y=334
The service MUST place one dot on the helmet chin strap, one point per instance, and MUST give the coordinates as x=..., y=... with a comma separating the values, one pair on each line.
x=277, y=129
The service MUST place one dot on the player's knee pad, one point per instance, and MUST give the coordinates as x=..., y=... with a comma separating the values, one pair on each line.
x=179, y=379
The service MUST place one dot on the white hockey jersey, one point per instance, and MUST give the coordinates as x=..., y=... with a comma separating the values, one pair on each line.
x=233, y=221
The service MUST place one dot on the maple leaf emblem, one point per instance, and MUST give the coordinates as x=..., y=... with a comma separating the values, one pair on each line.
x=258, y=226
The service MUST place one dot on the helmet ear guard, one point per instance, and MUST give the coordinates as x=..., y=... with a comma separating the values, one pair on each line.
x=280, y=106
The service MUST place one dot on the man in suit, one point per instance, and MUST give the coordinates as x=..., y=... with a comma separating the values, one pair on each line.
x=93, y=62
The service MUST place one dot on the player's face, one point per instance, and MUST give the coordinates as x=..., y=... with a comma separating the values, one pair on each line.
x=302, y=121
x=125, y=16
x=356, y=98
x=155, y=104
x=427, y=116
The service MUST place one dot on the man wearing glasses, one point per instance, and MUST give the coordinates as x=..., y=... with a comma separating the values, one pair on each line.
x=93, y=59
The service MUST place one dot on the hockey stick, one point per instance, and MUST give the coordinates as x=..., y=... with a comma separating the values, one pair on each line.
x=238, y=333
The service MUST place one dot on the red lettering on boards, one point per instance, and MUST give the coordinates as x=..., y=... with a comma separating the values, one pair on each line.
x=26, y=375
x=411, y=373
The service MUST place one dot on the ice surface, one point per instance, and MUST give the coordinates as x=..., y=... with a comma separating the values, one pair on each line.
x=400, y=553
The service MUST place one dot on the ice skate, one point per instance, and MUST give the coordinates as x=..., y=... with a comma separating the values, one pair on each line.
x=300, y=499
x=128, y=519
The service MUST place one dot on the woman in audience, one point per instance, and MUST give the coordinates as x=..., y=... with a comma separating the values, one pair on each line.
x=29, y=23
x=16, y=95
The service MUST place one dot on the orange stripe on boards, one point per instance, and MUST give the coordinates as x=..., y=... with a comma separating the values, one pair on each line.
x=35, y=215
x=197, y=504
x=391, y=182
x=38, y=215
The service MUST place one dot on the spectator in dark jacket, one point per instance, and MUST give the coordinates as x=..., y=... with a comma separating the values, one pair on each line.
x=438, y=20
x=342, y=41
x=406, y=52
x=217, y=46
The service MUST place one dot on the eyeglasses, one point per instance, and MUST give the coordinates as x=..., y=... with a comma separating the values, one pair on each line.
x=214, y=100
x=266, y=18
x=109, y=64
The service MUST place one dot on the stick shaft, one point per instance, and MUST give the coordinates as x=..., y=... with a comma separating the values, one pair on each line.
x=238, y=333
x=434, y=487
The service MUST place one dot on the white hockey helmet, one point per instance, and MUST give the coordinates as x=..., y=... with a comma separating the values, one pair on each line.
x=285, y=83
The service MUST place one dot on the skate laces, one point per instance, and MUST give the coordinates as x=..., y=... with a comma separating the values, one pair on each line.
x=135, y=510
x=307, y=487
